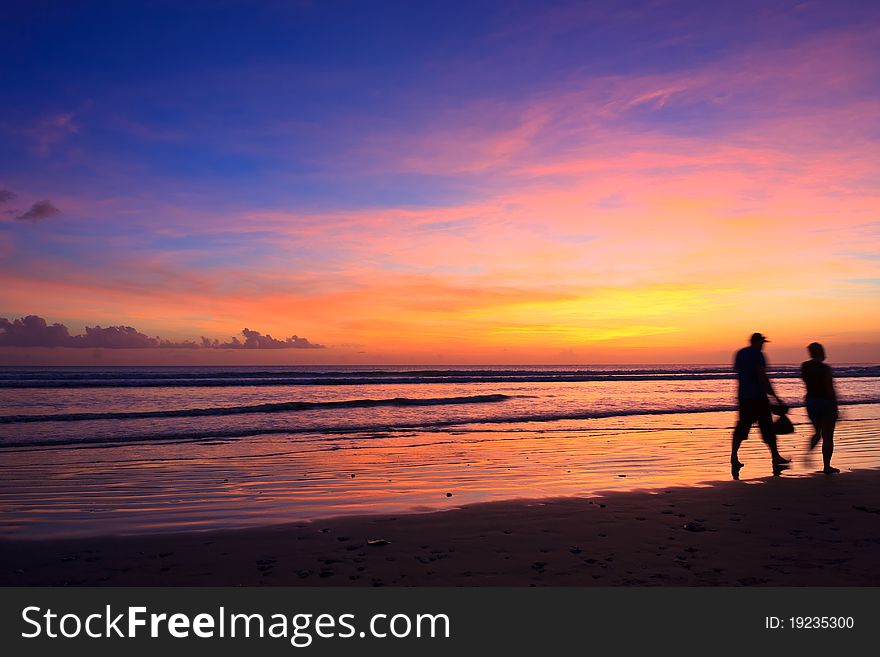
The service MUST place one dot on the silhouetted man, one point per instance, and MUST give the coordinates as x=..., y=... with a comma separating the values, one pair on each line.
x=754, y=405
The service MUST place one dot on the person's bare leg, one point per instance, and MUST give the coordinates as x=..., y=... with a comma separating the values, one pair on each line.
x=828, y=445
x=734, y=449
x=740, y=433
x=768, y=435
x=778, y=459
x=817, y=435
x=735, y=465
x=779, y=464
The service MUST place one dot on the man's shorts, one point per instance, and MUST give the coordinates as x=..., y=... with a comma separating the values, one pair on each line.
x=751, y=411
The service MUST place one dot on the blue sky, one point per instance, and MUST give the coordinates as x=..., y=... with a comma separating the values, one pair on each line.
x=279, y=156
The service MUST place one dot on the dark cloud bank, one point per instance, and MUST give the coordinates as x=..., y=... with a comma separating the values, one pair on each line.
x=34, y=331
x=37, y=212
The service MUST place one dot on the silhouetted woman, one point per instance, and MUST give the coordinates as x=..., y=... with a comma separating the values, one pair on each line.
x=821, y=402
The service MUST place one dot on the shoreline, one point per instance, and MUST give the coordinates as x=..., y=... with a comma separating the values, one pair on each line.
x=804, y=531
x=444, y=425
x=242, y=484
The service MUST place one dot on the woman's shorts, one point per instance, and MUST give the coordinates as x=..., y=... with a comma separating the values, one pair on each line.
x=821, y=410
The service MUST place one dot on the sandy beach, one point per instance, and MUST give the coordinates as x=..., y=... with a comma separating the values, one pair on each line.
x=806, y=531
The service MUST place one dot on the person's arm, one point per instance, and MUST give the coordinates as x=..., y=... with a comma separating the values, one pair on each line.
x=768, y=387
x=829, y=382
x=765, y=380
x=829, y=385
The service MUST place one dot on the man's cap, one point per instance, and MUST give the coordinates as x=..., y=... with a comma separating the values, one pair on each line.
x=757, y=337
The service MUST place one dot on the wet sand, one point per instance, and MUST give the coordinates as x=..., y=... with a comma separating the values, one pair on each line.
x=154, y=488
x=807, y=531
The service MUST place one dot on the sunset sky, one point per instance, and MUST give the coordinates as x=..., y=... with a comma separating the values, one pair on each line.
x=444, y=182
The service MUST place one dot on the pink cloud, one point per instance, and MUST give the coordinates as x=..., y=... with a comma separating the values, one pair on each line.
x=52, y=130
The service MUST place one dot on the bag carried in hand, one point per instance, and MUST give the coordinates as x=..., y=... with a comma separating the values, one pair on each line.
x=783, y=426
x=779, y=409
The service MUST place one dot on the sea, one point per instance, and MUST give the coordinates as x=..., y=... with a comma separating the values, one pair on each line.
x=121, y=450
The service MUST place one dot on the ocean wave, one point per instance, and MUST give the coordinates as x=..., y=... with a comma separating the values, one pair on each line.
x=200, y=377
x=61, y=373
x=7, y=442
x=278, y=407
